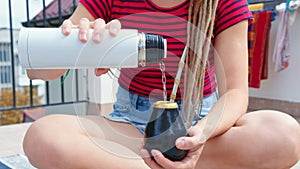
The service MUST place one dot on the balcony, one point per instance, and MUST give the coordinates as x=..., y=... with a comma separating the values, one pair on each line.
x=23, y=101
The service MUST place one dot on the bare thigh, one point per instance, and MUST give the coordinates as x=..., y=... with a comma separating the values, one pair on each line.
x=65, y=141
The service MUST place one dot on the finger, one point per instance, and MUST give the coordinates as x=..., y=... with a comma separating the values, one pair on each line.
x=84, y=25
x=114, y=27
x=188, y=143
x=100, y=71
x=66, y=27
x=163, y=161
x=166, y=163
x=99, y=28
x=148, y=160
x=144, y=153
x=198, y=132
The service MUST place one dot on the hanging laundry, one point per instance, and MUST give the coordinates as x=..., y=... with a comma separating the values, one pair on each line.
x=258, y=46
x=281, y=53
x=255, y=7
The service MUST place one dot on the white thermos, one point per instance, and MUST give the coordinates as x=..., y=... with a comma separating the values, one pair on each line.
x=49, y=48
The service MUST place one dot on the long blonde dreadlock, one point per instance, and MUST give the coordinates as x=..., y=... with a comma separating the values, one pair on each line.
x=200, y=26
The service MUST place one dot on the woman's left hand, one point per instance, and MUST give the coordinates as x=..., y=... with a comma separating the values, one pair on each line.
x=193, y=144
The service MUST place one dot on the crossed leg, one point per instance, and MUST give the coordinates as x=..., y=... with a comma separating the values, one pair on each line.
x=259, y=140
x=89, y=142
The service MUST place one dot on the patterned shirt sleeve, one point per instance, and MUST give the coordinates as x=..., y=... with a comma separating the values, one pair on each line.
x=229, y=13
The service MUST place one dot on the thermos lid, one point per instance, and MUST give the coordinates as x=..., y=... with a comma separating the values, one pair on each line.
x=165, y=105
x=156, y=48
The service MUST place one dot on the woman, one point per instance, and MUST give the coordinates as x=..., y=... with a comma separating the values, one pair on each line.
x=225, y=138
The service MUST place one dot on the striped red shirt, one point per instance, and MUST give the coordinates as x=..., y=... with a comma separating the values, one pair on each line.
x=171, y=23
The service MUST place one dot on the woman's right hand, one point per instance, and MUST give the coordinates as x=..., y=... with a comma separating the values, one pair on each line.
x=98, y=27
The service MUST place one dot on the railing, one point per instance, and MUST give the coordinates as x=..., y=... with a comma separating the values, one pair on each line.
x=10, y=71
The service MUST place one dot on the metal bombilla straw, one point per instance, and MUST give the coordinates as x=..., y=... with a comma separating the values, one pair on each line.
x=178, y=75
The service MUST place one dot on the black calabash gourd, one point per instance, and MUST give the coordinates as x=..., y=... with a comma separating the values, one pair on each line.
x=164, y=127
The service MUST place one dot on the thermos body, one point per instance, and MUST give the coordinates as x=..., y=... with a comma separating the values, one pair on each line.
x=49, y=48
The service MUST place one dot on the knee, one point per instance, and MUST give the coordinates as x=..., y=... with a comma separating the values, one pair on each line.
x=292, y=135
x=39, y=133
x=282, y=136
x=40, y=143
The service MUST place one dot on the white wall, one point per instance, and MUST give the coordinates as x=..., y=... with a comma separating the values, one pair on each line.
x=98, y=90
x=69, y=94
x=102, y=89
x=284, y=85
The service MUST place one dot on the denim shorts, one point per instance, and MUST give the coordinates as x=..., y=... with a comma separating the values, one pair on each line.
x=136, y=110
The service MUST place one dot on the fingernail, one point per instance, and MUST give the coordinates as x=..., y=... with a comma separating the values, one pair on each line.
x=181, y=143
x=97, y=37
x=83, y=36
x=65, y=31
x=96, y=72
x=114, y=31
x=155, y=153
